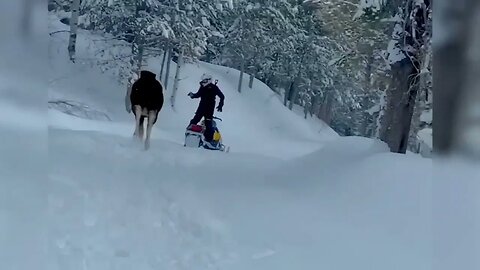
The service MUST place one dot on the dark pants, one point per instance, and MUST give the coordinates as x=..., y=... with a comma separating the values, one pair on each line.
x=209, y=131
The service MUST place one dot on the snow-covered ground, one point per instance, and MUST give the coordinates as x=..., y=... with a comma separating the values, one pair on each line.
x=291, y=194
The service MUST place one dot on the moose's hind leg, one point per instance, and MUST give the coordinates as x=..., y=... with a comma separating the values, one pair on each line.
x=152, y=118
x=138, y=122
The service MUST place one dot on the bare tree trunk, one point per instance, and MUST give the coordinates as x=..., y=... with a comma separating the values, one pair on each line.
x=325, y=110
x=293, y=96
x=167, y=73
x=308, y=103
x=293, y=93
x=365, y=116
x=177, y=80
x=286, y=96
x=163, y=64
x=140, y=55
x=288, y=93
x=318, y=112
x=314, y=106
x=73, y=29
x=381, y=118
x=401, y=95
x=250, y=82
x=420, y=106
x=306, y=109
x=242, y=64
x=294, y=89
x=240, y=81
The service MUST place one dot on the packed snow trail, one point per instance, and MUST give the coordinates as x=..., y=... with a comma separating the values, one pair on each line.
x=115, y=206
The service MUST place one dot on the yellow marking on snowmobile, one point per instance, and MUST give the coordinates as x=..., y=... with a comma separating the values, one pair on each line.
x=216, y=136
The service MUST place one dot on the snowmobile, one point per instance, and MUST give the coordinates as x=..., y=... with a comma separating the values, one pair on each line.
x=194, y=136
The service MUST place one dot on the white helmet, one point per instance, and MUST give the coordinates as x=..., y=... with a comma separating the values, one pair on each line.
x=206, y=79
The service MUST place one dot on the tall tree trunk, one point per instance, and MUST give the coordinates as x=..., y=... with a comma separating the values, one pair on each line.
x=294, y=88
x=293, y=93
x=308, y=104
x=420, y=105
x=240, y=81
x=314, y=106
x=288, y=93
x=366, y=117
x=177, y=80
x=325, y=110
x=404, y=87
x=250, y=82
x=306, y=109
x=73, y=29
x=140, y=55
x=381, y=117
x=163, y=64
x=401, y=96
x=167, y=73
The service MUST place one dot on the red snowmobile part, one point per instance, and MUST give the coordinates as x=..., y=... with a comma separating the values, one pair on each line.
x=196, y=128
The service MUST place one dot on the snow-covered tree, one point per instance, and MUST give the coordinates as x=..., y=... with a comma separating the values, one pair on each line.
x=409, y=60
x=73, y=29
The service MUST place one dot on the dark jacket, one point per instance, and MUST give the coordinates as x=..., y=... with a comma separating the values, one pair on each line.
x=147, y=92
x=207, y=95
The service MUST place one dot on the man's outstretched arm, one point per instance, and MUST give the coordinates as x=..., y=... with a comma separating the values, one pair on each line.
x=197, y=94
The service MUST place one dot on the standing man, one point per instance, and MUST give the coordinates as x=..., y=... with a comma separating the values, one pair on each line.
x=207, y=94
